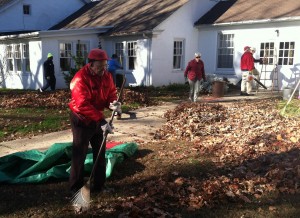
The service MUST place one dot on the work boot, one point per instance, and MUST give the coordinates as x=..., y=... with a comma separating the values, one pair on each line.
x=244, y=94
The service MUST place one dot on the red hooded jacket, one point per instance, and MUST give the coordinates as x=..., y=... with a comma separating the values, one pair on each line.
x=247, y=61
x=195, y=70
x=91, y=93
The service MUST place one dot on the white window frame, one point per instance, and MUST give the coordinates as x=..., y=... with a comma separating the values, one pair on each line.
x=131, y=47
x=268, y=52
x=10, y=58
x=178, y=52
x=72, y=51
x=286, y=53
x=65, y=56
x=120, y=50
x=283, y=56
x=18, y=60
x=225, y=50
x=26, y=57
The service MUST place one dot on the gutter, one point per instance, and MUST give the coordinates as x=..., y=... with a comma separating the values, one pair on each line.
x=77, y=31
x=248, y=22
x=20, y=36
x=56, y=33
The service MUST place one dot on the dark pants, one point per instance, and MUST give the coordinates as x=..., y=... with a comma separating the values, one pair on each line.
x=83, y=135
x=49, y=83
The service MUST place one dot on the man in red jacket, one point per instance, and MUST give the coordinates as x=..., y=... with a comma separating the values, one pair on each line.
x=195, y=74
x=92, y=90
x=247, y=65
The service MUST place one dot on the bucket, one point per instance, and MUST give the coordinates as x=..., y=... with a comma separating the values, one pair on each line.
x=218, y=89
x=286, y=93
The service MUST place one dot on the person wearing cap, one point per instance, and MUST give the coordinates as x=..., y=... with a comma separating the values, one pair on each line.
x=92, y=90
x=195, y=74
x=49, y=74
x=247, y=65
x=248, y=68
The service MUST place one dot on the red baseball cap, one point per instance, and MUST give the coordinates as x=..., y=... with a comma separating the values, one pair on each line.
x=246, y=48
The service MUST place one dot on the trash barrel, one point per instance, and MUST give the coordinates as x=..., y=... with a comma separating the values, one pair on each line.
x=286, y=93
x=218, y=89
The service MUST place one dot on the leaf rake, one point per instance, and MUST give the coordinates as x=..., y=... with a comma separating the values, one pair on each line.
x=82, y=198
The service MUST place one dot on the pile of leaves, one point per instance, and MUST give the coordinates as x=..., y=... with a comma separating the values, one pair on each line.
x=254, y=153
x=16, y=99
x=59, y=99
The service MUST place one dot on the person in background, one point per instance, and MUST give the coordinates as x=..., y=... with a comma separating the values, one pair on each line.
x=113, y=65
x=254, y=71
x=195, y=74
x=248, y=68
x=49, y=74
x=92, y=90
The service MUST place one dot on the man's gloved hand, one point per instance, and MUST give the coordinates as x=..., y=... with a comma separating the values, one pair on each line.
x=116, y=106
x=106, y=127
x=186, y=80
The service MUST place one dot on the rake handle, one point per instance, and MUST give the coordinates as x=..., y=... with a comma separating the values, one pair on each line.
x=106, y=133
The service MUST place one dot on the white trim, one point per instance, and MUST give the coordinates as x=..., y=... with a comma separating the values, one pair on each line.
x=297, y=18
x=55, y=33
x=78, y=31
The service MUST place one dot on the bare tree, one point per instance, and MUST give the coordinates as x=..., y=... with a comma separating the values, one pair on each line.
x=4, y=73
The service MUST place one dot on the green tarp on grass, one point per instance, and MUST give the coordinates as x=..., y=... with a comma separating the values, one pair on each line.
x=36, y=167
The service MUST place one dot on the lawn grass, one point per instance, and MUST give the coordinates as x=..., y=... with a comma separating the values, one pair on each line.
x=291, y=110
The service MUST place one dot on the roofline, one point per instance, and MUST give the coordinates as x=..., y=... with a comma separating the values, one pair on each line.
x=285, y=19
x=77, y=31
x=52, y=33
x=20, y=36
x=5, y=7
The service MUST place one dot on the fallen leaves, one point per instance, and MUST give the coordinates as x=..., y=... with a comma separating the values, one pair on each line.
x=256, y=149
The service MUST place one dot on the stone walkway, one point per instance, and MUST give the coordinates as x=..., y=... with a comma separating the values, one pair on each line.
x=136, y=126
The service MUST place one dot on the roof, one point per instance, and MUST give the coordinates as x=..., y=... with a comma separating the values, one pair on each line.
x=250, y=10
x=4, y=2
x=126, y=16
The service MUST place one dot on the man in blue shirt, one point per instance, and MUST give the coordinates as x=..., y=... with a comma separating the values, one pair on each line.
x=113, y=65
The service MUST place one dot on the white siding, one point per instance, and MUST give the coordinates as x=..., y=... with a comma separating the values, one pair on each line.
x=180, y=25
x=253, y=35
x=39, y=48
x=44, y=14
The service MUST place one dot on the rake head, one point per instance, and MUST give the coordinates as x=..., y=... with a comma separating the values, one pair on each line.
x=81, y=199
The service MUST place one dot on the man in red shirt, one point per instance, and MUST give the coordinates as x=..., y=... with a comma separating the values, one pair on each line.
x=92, y=90
x=195, y=74
x=247, y=68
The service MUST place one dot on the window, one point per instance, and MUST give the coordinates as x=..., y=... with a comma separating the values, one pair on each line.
x=267, y=52
x=131, y=51
x=286, y=53
x=65, y=50
x=72, y=53
x=225, y=50
x=26, y=57
x=26, y=9
x=119, y=50
x=178, y=54
x=18, y=57
x=10, y=57
x=18, y=60
x=81, y=54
